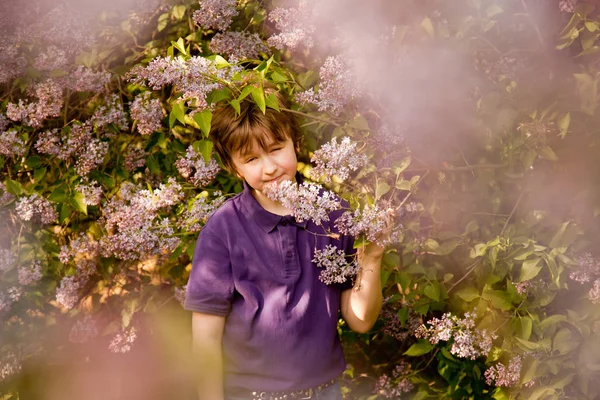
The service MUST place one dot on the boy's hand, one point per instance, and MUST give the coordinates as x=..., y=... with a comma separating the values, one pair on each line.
x=375, y=249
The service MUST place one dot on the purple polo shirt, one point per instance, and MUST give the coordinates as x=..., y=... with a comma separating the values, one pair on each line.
x=255, y=268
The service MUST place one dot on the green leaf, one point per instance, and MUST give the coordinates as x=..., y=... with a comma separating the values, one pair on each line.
x=558, y=236
x=552, y=321
x=204, y=119
x=382, y=188
x=400, y=166
x=272, y=102
x=418, y=349
x=493, y=10
x=563, y=341
x=432, y=291
x=547, y=153
x=498, y=298
x=523, y=327
x=245, y=92
x=526, y=344
x=235, y=103
x=179, y=45
x=78, y=202
x=403, y=184
x=530, y=269
x=178, y=112
x=163, y=20
x=39, y=174
x=359, y=122
x=529, y=369
x=58, y=195
x=427, y=25
x=468, y=294
x=258, y=95
x=65, y=212
x=34, y=161
x=13, y=187
x=277, y=77
x=205, y=148
x=178, y=11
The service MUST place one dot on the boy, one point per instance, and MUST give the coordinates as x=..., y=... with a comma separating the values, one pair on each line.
x=264, y=325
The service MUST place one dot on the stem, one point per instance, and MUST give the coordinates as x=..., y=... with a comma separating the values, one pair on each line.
x=537, y=29
x=470, y=269
x=311, y=116
x=512, y=213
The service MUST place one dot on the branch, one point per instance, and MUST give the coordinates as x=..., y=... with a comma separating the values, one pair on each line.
x=512, y=212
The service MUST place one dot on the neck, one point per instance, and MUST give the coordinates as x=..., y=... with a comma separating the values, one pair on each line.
x=271, y=206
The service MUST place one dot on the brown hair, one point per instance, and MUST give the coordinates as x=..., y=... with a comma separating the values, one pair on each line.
x=233, y=133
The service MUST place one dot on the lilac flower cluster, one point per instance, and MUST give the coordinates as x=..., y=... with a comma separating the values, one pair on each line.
x=5, y=196
x=337, y=87
x=522, y=287
x=194, y=78
x=30, y=275
x=92, y=193
x=337, y=159
x=147, y=112
x=370, y=222
x=215, y=14
x=134, y=227
x=501, y=375
x=413, y=207
x=88, y=151
x=12, y=64
x=10, y=365
x=122, y=341
x=338, y=266
x=84, y=79
x=7, y=259
x=467, y=341
x=11, y=144
x=52, y=58
x=83, y=330
x=68, y=293
x=296, y=26
x=307, y=201
x=179, y=294
x=197, y=212
x=393, y=326
x=82, y=246
x=393, y=387
x=589, y=269
x=9, y=296
x=36, y=209
x=49, y=103
x=135, y=158
x=194, y=168
x=4, y=122
x=111, y=112
x=567, y=6
x=236, y=46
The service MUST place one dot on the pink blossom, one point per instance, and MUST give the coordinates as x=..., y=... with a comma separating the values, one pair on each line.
x=501, y=375
x=237, y=46
x=337, y=266
x=337, y=159
x=215, y=14
x=147, y=112
x=122, y=341
x=36, y=209
x=194, y=167
x=31, y=274
x=296, y=26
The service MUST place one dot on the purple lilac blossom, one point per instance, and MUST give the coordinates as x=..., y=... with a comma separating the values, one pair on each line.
x=147, y=112
x=31, y=274
x=236, y=46
x=337, y=159
x=5, y=196
x=83, y=330
x=68, y=293
x=501, y=375
x=194, y=78
x=36, y=209
x=179, y=294
x=7, y=259
x=122, y=341
x=13, y=65
x=215, y=14
x=49, y=95
x=111, y=112
x=337, y=266
x=197, y=212
x=395, y=387
x=393, y=326
x=296, y=27
x=9, y=296
x=307, y=201
x=567, y=6
x=11, y=144
x=370, y=222
x=84, y=79
x=135, y=158
x=52, y=58
x=4, y=122
x=194, y=168
x=82, y=246
x=594, y=293
x=337, y=87
x=10, y=364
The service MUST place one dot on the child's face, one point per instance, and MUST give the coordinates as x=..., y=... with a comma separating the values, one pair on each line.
x=260, y=167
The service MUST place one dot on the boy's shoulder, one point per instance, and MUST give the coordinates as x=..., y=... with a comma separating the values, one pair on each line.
x=227, y=213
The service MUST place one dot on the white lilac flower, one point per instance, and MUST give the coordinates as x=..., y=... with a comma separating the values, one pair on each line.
x=83, y=330
x=7, y=259
x=92, y=193
x=10, y=365
x=307, y=201
x=337, y=86
x=94, y=155
x=195, y=215
x=82, y=246
x=236, y=46
x=11, y=144
x=370, y=222
x=594, y=293
x=215, y=14
x=501, y=375
x=394, y=387
x=296, y=27
x=84, y=79
x=165, y=196
x=337, y=266
x=9, y=296
x=49, y=96
x=338, y=159
x=467, y=342
x=36, y=209
x=194, y=168
x=135, y=158
x=31, y=274
x=179, y=293
x=147, y=112
x=51, y=58
x=122, y=341
x=567, y=6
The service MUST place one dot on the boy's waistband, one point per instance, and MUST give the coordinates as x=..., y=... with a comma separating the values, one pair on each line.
x=304, y=394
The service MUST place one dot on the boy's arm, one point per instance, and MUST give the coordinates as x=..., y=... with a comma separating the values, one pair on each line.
x=361, y=305
x=207, y=336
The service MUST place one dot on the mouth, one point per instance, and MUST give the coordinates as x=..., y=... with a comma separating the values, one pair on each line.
x=274, y=180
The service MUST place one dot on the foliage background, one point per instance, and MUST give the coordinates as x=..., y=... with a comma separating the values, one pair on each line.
x=479, y=119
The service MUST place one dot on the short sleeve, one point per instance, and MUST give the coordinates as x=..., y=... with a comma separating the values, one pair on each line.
x=210, y=286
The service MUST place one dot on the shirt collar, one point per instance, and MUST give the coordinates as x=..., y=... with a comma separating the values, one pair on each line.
x=263, y=218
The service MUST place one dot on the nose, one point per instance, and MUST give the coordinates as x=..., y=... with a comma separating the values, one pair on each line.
x=269, y=165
